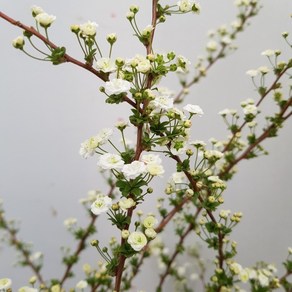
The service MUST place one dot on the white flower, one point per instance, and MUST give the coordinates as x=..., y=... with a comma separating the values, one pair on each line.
x=143, y=64
x=150, y=222
x=252, y=73
x=70, y=222
x=36, y=10
x=213, y=154
x=193, y=109
x=27, y=289
x=185, y=5
x=137, y=240
x=5, y=283
x=178, y=177
x=110, y=161
x=150, y=233
x=106, y=65
x=226, y=40
x=214, y=178
x=134, y=169
x=44, y=19
x=104, y=135
x=117, y=86
x=88, y=29
x=224, y=213
x=198, y=143
x=81, y=285
x=228, y=111
x=36, y=257
x=151, y=158
x=268, y=53
x=178, y=146
x=88, y=147
x=162, y=102
x=212, y=46
x=263, y=70
x=250, y=109
x=244, y=275
x=263, y=279
x=125, y=203
x=101, y=204
x=155, y=169
x=235, y=268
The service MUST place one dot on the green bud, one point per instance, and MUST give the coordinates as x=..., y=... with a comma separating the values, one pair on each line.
x=149, y=190
x=111, y=38
x=75, y=28
x=134, y=8
x=101, y=89
x=94, y=242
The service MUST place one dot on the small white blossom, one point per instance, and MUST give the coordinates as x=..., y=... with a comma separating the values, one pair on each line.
x=101, y=204
x=134, y=169
x=155, y=169
x=36, y=257
x=178, y=146
x=150, y=233
x=150, y=222
x=151, y=158
x=70, y=222
x=126, y=203
x=178, y=177
x=27, y=289
x=224, y=213
x=44, y=19
x=162, y=102
x=213, y=154
x=193, y=109
x=137, y=240
x=110, y=161
x=244, y=275
x=212, y=46
x=117, y=86
x=81, y=285
x=88, y=29
x=268, y=53
x=36, y=10
x=5, y=283
x=252, y=73
x=235, y=268
x=263, y=279
x=263, y=70
x=185, y=5
x=250, y=109
x=105, y=65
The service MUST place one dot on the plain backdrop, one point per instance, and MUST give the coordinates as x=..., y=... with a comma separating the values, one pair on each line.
x=47, y=111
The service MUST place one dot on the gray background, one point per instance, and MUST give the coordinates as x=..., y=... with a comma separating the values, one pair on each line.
x=47, y=111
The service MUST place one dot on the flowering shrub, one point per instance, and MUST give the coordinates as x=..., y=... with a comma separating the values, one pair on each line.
x=194, y=193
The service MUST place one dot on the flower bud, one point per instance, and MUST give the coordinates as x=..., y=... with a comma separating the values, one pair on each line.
x=125, y=234
x=149, y=190
x=94, y=242
x=111, y=38
x=18, y=43
x=134, y=8
x=75, y=28
x=130, y=16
